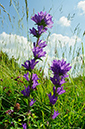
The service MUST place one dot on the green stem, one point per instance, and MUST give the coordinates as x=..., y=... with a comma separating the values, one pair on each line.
x=51, y=111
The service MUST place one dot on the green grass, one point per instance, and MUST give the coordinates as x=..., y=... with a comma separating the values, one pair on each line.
x=71, y=104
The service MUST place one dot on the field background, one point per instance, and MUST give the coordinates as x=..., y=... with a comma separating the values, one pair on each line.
x=66, y=40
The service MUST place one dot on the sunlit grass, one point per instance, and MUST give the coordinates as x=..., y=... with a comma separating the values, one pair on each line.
x=71, y=104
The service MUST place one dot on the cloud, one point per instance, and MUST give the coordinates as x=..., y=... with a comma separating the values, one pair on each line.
x=15, y=45
x=60, y=47
x=81, y=5
x=63, y=21
x=61, y=40
x=57, y=44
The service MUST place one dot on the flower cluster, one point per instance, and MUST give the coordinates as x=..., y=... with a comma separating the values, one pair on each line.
x=59, y=69
x=32, y=85
x=43, y=21
x=38, y=49
x=30, y=64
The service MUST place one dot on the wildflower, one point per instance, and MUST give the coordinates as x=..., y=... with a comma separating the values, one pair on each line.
x=34, y=32
x=43, y=18
x=26, y=76
x=29, y=65
x=38, y=52
x=26, y=91
x=52, y=99
x=42, y=44
x=32, y=102
x=34, y=80
x=4, y=88
x=37, y=33
x=57, y=80
x=17, y=107
x=1, y=80
x=24, y=126
x=59, y=90
x=18, y=77
x=60, y=67
x=55, y=114
x=41, y=29
x=9, y=112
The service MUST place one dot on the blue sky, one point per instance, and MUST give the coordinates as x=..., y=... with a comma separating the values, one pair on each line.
x=59, y=9
x=69, y=25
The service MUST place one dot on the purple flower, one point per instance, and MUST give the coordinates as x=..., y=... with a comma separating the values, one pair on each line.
x=26, y=91
x=42, y=44
x=29, y=65
x=52, y=99
x=32, y=102
x=59, y=90
x=38, y=52
x=41, y=30
x=60, y=67
x=26, y=76
x=57, y=80
x=55, y=114
x=34, y=32
x=34, y=79
x=43, y=18
x=37, y=33
x=9, y=112
x=24, y=126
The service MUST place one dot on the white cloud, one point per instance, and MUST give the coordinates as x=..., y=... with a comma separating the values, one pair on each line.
x=61, y=40
x=15, y=45
x=18, y=46
x=57, y=45
x=81, y=5
x=63, y=21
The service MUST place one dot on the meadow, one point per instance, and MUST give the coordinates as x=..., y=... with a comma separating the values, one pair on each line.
x=15, y=111
x=71, y=104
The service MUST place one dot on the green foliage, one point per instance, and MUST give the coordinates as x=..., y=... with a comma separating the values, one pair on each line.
x=71, y=104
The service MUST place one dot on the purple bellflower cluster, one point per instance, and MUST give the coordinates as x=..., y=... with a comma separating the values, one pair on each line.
x=24, y=126
x=43, y=21
x=59, y=69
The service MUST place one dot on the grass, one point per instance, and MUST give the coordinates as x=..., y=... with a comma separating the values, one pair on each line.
x=71, y=104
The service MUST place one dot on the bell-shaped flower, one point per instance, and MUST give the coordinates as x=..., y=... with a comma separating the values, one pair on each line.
x=55, y=114
x=26, y=76
x=60, y=67
x=34, y=80
x=26, y=91
x=52, y=98
x=32, y=102
x=38, y=52
x=43, y=18
x=30, y=64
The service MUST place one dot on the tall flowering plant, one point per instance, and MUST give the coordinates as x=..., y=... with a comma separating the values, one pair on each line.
x=59, y=68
